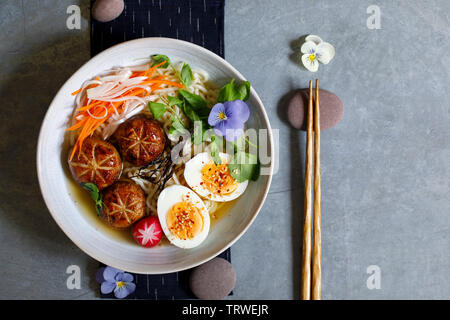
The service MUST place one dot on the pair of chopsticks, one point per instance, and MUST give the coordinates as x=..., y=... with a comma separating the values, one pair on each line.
x=312, y=290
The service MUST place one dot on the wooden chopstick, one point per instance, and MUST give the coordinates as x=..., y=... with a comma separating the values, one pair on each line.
x=306, y=247
x=317, y=237
x=315, y=287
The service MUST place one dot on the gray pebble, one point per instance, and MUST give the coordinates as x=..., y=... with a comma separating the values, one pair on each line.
x=331, y=109
x=213, y=280
x=107, y=10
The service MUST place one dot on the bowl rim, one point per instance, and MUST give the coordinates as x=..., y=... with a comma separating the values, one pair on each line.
x=40, y=166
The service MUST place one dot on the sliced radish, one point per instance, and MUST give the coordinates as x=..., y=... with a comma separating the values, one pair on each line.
x=147, y=232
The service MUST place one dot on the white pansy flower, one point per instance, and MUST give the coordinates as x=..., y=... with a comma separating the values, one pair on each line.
x=316, y=50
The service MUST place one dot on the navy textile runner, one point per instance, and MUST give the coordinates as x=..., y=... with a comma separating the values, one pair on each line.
x=197, y=21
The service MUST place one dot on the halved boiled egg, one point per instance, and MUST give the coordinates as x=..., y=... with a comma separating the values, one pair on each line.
x=213, y=181
x=183, y=216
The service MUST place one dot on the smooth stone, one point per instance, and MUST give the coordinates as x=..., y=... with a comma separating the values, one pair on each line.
x=213, y=280
x=331, y=109
x=107, y=10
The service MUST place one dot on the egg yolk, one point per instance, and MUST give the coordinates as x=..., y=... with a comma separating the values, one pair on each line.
x=217, y=179
x=184, y=220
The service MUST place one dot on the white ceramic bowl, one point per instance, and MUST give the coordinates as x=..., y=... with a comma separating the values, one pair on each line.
x=56, y=185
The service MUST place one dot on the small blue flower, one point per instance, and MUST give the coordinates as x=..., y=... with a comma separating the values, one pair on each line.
x=112, y=279
x=228, y=118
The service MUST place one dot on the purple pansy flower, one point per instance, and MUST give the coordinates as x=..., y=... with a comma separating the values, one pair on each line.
x=228, y=118
x=112, y=279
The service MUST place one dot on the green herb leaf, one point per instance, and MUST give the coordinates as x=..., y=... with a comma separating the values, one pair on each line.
x=159, y=58
x=244, y=166
x=244, y=91
x=157, y=109
x=215, y=147
x=172, y=130
x=233, y=91
x=194, y=100
x=199, y=130
x=177, y=126
x=190, y=113
x=196, y=103
x=92, y=189
x=186, y=75
x=95, y=195
x=174, y=101
x=256, y=171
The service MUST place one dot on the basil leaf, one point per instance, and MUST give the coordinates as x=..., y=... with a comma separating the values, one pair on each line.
x=174, y=101
x=196, y=103
x=244, y=91
x=95, y=195
x=232, y=91
x=92, y=189
x=157, y=109
x=194, y=100
x=244, y=166
x=226, y=93
x=185, y=107
x=200, y=125
x=190, y=113
x=186, y=75
x=160, y=58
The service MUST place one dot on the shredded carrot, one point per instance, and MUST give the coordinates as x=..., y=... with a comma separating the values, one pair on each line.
x=144, y=73
x=97, y=102
x=175, y=84
x=98, y=124
x=158, y=65
x=77, y=125
x=137, y=74
x=76, y=92
x=149, y=72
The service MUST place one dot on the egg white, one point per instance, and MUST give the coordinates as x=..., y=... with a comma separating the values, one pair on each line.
x=193, y=177
x=173, y=195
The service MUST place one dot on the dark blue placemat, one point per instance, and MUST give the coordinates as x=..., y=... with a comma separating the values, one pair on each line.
x=197, y=21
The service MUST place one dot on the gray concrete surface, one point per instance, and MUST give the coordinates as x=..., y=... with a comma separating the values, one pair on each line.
x=386, y=169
